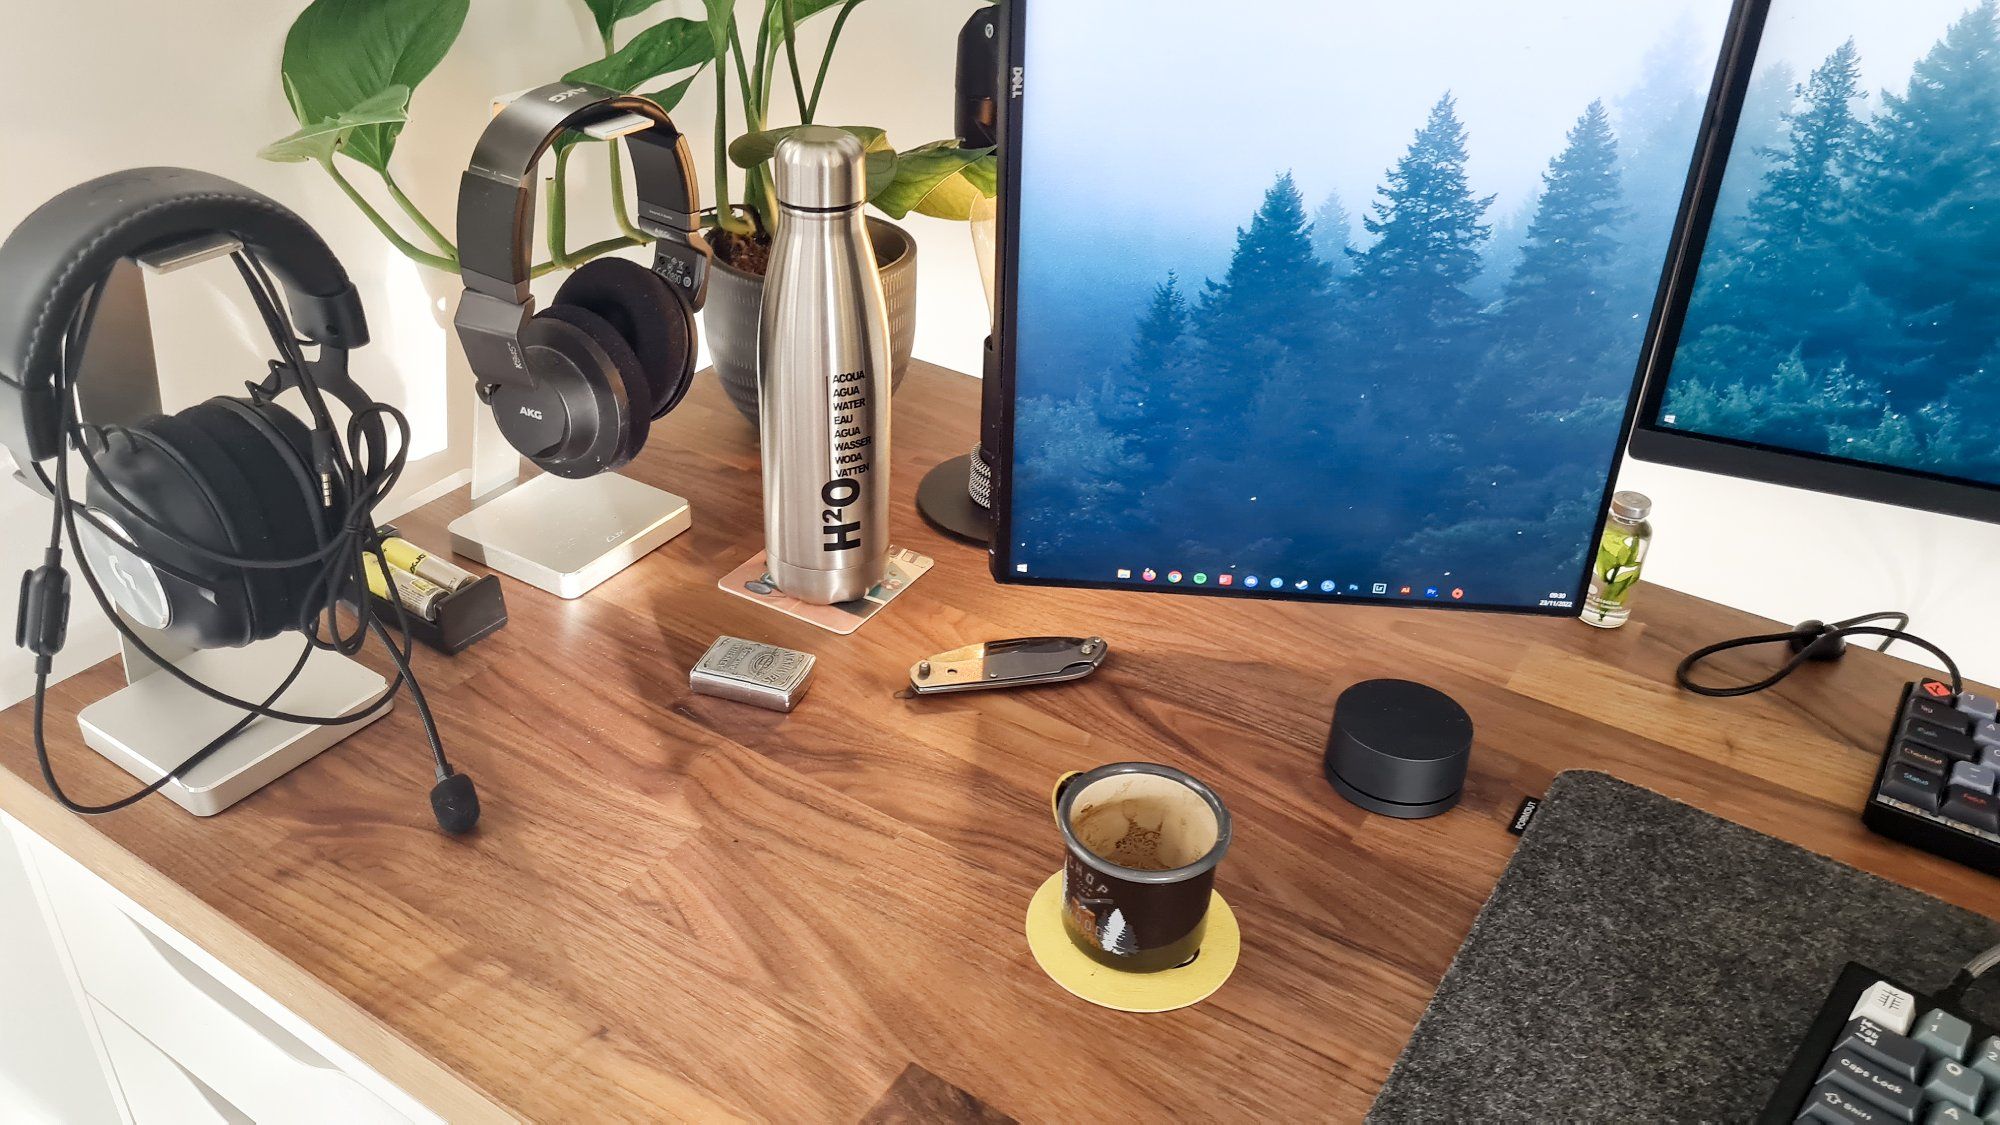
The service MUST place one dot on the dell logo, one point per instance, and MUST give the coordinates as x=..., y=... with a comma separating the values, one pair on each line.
x=565, y=95
x=531, y=412
x=1020, y=80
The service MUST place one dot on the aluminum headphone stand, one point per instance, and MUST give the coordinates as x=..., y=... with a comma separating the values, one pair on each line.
x=567, y=537
x=156, y=722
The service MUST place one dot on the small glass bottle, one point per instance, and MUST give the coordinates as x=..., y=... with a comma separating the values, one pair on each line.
x=1620, y=555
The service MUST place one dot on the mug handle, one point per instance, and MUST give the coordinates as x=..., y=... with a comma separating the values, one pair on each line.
x=1055, y=798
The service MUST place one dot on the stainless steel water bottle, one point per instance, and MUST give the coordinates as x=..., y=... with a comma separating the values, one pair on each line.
x=823, y=377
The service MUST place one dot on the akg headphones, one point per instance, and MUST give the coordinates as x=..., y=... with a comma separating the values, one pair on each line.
x=226, y=523
x=576, y=387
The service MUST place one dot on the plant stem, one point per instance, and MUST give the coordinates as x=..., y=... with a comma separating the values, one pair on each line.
x=612, y=151
x=403, y=245
x=725, y=219
x=826, y=60
x=790, y=8
x=410, y=208
x=558, y=208
x=589, y=253
x=615, y=154
x=742, y=71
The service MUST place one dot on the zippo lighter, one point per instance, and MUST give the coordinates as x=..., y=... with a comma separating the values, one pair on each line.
x=752, y=672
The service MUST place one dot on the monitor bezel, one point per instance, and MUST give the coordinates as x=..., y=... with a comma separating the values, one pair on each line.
x=1748, y=460
x=1014, y=17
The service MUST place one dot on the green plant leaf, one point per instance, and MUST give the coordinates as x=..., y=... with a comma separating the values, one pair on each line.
x=754, y=149
x=608, y=13
x=669, y=97
x=340, y=54
x=941, y=180
x=664, y=48
x=320, y=141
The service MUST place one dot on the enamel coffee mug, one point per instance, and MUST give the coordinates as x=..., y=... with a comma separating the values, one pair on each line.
x=1143, y=841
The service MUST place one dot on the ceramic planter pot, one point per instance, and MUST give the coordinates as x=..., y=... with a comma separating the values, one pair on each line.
x=736, y=303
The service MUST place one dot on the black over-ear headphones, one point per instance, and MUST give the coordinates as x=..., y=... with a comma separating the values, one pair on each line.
x=576, y=387
x=231, y=521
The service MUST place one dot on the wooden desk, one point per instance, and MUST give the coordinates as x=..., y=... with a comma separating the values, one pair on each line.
x=678, y=907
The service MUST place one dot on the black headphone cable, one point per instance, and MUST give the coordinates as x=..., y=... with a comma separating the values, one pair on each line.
x=454, y=801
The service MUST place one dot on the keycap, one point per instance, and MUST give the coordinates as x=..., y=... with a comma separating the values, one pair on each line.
x=1986, y=1061
x=1936, y=689
x=1990, y=757
x=1923, y=758
x=1987, y=734
x=1980, y=810
x=1945, y=1113
x=1833, y=1105
x=1982, y=708
x=1893, y=1052
x=1978, y=778
x=1937, y=711
x=1954, y=744
x=1886, y=1005
x=1858, y=1076
x=1954, y=1085
x=1919, y=787
x=1944, y=1033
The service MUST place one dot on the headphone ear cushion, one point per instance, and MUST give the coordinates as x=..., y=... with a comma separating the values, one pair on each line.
x=625, y=367
x=649, y=313
x=238, y=518
x=272, y=449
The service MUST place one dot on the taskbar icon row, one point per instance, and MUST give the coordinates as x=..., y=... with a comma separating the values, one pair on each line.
x=1278, y=583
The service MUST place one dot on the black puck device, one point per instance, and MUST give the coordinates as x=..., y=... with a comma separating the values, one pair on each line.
x=1399, y=748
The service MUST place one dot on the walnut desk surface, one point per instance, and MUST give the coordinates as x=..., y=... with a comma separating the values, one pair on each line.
x=680, y=907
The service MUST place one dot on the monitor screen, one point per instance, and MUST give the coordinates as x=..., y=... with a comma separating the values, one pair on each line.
x=1844, y=305
x=1345, y=305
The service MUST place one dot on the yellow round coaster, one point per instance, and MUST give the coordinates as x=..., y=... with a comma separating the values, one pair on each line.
x=1131, y=992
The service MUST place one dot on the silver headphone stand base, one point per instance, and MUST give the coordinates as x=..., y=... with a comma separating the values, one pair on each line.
x=569, y=536
x=157, y=722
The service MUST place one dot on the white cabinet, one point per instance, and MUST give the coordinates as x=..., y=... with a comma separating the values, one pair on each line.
x=186, y=1038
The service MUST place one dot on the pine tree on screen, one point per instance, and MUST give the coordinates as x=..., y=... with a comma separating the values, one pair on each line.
x=1782, y=281
x=1925, y=218
x=1333, y=235
x=1410, y=307
x=1160, y=338
x=1264, y=301
x=1556, y=324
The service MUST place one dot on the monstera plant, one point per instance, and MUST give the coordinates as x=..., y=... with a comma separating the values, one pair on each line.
x=350, y=66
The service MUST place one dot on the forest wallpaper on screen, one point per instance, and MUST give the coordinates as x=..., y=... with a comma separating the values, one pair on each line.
x=1422, y=387
x=1850, y=304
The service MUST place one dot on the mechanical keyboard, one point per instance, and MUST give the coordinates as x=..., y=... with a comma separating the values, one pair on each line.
x=1939, y=785
x=1879, y=1052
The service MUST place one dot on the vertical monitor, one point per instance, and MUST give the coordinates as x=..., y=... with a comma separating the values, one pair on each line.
x=1332, y=300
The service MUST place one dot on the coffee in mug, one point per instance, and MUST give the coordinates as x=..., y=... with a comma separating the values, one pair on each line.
x=1143, y=842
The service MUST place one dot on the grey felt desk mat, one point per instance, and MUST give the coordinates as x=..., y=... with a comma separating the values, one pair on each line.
x=1641, y=960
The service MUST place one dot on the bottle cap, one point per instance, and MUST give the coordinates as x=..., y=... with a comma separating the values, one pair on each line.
x=820, y=169
x=1631, y=505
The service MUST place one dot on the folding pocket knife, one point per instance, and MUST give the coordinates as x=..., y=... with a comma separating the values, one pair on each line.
x=1009, y=664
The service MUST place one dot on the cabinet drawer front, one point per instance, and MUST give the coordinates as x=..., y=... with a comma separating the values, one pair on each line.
x=258, y=1057
x=157, y=1091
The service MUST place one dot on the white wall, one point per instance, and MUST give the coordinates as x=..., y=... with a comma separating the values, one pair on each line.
x=1793, y=555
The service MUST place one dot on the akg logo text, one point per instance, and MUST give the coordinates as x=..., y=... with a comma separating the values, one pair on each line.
x=531, y=412
x=565, y=95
